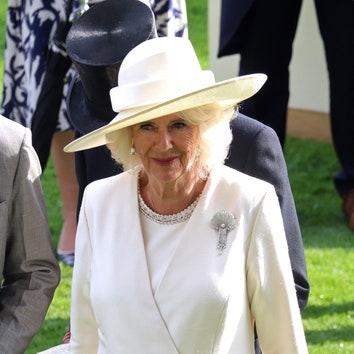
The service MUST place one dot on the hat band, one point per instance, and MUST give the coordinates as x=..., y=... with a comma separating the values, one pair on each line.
x=126, y=97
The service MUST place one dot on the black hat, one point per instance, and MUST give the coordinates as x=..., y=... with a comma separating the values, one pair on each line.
x=97, y=43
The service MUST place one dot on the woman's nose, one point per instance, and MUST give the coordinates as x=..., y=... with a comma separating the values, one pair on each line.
x=164, y=140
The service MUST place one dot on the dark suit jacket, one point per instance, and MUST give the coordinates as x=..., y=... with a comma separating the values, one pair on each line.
x=240, y=20
x=28, y=268
x=256, y=151
x=232, y=14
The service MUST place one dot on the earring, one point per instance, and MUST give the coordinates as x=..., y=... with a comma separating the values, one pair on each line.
x=197, y=154
x=132, y=149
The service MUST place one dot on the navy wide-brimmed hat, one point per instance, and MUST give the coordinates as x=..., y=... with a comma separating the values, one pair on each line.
x=97, y=43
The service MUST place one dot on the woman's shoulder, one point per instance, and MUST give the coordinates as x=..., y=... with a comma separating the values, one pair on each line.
x=234, y=190
x=232, y=176
x=237, y=186
x=113, y=184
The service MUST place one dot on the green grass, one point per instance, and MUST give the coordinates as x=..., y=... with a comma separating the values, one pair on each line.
x=329, y=316
x=198, y=29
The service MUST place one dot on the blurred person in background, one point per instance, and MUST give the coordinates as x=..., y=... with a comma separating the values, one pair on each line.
x=262, y=32
x=32, y=31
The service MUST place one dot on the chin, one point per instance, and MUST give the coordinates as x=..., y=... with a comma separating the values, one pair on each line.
x=165, y=176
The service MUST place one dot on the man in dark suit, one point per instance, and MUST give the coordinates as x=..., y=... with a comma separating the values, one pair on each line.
x=263, y=33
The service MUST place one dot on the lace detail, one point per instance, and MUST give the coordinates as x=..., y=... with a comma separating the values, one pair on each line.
x=166, y=219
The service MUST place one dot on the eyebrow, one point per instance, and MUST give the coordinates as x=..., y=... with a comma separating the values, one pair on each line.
x=152, y=121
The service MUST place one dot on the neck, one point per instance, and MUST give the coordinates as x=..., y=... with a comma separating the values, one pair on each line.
x=170, y=197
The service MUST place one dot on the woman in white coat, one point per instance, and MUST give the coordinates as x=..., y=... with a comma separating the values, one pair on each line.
x=179, y=253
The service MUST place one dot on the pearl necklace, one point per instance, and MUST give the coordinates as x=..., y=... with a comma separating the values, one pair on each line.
x=166, y=219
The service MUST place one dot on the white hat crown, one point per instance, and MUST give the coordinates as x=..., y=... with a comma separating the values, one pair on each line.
x=151, y=74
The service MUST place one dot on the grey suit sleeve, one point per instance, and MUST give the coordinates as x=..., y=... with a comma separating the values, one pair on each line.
x=30, y=270
x=257, y=152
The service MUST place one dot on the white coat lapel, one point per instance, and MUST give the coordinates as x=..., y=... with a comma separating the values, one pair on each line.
x=136, y=272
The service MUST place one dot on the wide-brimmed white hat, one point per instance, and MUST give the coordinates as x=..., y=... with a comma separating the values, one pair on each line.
x=162, y=76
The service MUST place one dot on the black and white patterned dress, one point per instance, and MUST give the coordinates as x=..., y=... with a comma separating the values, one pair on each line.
x=31, y=25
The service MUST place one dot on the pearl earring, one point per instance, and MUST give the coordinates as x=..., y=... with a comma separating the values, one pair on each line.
x=132, y=149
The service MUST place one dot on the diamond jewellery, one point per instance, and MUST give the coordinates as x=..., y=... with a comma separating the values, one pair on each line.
x=222, y=222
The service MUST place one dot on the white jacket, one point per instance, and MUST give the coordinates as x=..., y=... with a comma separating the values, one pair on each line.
x=206, y=302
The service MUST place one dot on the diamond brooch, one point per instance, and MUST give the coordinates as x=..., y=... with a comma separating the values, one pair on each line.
x=222, y=222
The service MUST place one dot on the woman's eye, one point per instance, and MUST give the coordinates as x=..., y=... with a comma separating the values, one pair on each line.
x=179, y=125
x=146, y=126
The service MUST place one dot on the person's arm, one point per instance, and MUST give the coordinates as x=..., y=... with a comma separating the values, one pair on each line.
x=83, y=326
x=256, y=151
x=270, y=286
x=30, y=270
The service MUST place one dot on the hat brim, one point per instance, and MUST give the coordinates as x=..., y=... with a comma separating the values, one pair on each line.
x=225, y=93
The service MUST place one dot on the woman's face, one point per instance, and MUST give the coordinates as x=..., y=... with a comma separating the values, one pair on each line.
x=167, y=146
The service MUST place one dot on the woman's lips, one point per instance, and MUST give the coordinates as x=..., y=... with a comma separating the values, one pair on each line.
x=164, y=161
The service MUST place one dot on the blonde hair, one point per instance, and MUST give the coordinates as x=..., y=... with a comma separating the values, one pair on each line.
x=215, y=137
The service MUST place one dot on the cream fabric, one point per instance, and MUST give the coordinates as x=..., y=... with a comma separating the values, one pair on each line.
x=205, y=302
x=160, y=243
